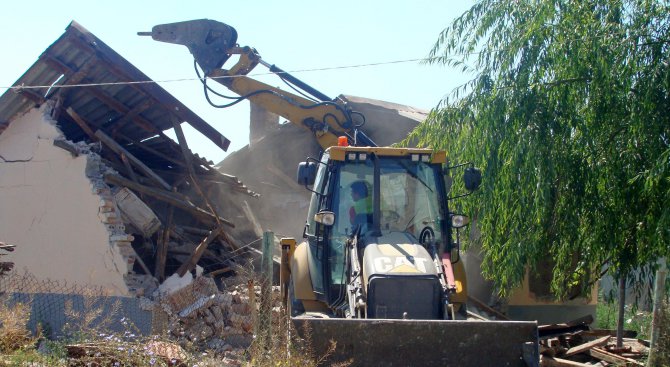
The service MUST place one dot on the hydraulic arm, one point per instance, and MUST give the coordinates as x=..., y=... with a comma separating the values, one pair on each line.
x=212, y=43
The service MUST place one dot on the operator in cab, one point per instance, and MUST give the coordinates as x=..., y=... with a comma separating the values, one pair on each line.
x=360, y=213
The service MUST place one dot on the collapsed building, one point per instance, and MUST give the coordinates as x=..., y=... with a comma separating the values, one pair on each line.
x=92, y=190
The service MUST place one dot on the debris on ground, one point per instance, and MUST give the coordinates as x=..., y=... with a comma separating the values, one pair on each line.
x=575, y=343
x=220, y=321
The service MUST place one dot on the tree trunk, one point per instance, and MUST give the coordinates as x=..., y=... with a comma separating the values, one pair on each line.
x=622, y=304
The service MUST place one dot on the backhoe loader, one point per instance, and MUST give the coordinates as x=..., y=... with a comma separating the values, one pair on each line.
x=379, y=271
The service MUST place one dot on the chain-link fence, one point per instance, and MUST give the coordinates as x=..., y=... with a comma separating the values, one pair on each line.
x=58, y=308
x=198, y=311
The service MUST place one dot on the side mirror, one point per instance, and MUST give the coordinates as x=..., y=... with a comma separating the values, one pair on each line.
x=324, y=217
x=306, y=173
x=472, y=177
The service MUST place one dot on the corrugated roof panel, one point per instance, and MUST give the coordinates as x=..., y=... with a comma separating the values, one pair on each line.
x=76, y=49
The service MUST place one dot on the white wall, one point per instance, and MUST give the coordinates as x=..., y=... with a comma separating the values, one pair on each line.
x=48, y=209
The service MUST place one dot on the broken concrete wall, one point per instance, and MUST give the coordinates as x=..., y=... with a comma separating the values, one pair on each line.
x=386, y=123
x=64, y=224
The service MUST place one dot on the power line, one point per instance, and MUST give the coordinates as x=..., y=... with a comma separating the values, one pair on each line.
x=426, y=59
x=20, y=87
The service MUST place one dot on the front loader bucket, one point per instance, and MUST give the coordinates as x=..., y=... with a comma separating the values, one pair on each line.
x=376, y=342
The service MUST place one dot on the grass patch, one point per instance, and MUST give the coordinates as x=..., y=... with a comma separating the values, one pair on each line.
x=634, y=319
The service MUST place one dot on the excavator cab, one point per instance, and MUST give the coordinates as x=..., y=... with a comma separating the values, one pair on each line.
x=394, y=208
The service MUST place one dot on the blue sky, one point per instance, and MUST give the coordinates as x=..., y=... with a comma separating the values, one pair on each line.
x=294, y=35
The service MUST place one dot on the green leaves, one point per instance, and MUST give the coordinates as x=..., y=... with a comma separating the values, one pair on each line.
x=569, y=118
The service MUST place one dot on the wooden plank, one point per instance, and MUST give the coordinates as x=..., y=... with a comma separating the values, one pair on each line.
x=166, y=196
x=586, y=346
x=126, y=163
x=31, y=95
x=558, y=362
x=151, y=150
x=486, y=308
x=194, y=230
x=231, y=243
x=186, y=247
x=82, y=123
x=613, y=358
x=161, y=254
x=118, y=149
x=195, y=257
x=220, y=271
x=132, y=113
x=66, y=146
x=188, y=158
x=144, y=266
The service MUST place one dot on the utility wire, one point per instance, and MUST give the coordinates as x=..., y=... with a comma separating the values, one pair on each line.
x=426, y=59
x=20, y=87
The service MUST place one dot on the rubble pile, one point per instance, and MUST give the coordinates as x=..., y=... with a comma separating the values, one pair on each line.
x=219, y=321
x=575, y=343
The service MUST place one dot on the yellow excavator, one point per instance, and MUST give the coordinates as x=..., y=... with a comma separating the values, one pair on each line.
x=379, y=270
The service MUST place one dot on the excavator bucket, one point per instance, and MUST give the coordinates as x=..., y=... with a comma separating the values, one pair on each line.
x=381, y=342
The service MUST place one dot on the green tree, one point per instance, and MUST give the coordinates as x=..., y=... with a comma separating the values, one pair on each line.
x=568, y=115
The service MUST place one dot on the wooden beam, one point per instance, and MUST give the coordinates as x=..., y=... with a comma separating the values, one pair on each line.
x=188, y=157
x=189, y=165
x=132, y=113
x=194, y=230
x=166, y=196
x=66, y=146
x=188, y=243
x=558, y=362
x=118, y=149
x=613, y=358
x=197, y=254
x=31, y=95
x=126, y=163
x=144, y=266
x=220, y=271
x=486, y=308
x=161, y=254
x=82, y=123
x=151, y=150
x=586, y=346
x=119, y=107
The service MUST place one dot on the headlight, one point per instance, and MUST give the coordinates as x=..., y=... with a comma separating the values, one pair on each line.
x=459, y=220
